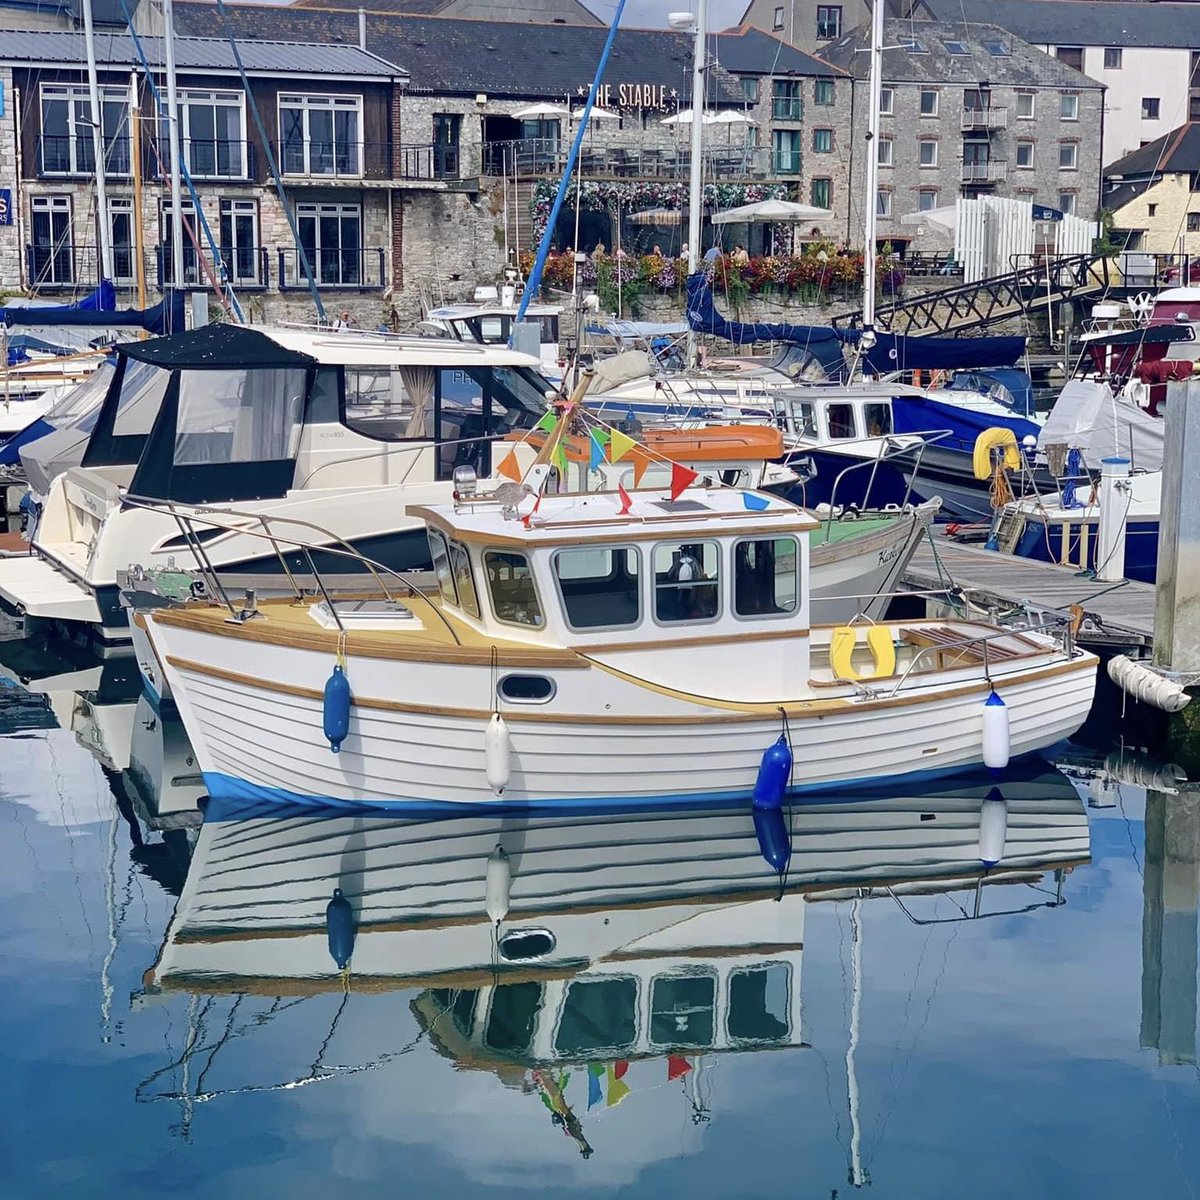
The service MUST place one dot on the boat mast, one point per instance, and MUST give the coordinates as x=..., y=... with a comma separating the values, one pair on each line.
x=874, y=96
x=98, y=147
x=696, y=172
x=173, y=136
x=858, y=1176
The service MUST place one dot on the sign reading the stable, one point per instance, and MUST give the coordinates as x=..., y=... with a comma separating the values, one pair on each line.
x=632, y=95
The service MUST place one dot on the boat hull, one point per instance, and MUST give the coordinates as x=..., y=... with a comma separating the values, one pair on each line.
x=1073, y=541
x=253, y=711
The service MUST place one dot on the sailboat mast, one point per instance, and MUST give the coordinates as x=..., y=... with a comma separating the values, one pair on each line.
x=696, y=174
x=857, y=1175
x=173, y=136
x=874, y=93
x=104, y=228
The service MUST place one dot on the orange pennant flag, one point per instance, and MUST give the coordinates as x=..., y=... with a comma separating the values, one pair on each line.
x=640, y=463
x=681, y=479
x=619, y=445
x=510, y=467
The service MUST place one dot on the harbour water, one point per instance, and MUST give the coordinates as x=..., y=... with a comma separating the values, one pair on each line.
x=173, y=1018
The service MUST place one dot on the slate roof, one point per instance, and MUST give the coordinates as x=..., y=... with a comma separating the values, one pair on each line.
x=54, y=47
x=1022, y=66
x=569, y=12
x=463, y=56
x=1081, y=22
x=749, y=51
x=1175, y=153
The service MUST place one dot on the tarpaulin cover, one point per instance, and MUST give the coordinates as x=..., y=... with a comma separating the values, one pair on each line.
x=820, y=340
x=1015, y=382
x=1149, y=333
x=891, y=352
x=99, y=310
x=1088, y=417
x=10, y=452
x=920, y=414
x=215, y=347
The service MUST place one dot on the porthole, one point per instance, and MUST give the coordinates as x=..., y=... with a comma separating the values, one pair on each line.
x=524, y=945
x=525, y=689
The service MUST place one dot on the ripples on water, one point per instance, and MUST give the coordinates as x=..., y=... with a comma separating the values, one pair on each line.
x=174, y=1022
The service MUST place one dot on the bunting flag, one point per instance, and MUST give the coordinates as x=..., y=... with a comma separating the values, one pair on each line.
x=617, y=1090
x=560, y=459
x=623, y=511
x=597, y=450
x=595, y=1074
x=640, y=463
x=547, y=423
x=619, y=445
x=510, y=467
x=530, y=514
x=681, y=479
x=755, y=503
x=677, y=1067
x=620, y=1067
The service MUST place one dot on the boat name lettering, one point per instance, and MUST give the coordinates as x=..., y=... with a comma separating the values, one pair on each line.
x=890, y=554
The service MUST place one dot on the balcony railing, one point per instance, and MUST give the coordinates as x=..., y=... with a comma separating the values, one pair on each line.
x=420, y=161
x=321, y=161
x=547, y=156
x=984, y=172
x=785, y=108
x=985, y=118
x=348, y=270
x=205, y=158
x=63, y=155
x=785, y=162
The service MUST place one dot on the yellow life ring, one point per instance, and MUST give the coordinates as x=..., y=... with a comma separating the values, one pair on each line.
x=981, y=459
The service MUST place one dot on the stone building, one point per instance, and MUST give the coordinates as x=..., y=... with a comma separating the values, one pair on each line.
x=970, y=114
x=812, y=25
x=1154, y=193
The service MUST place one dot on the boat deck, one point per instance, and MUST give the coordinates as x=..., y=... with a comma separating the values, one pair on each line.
x=13, y=545
x=1116, y=614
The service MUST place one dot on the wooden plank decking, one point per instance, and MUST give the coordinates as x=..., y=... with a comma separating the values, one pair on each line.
x=1124, y=613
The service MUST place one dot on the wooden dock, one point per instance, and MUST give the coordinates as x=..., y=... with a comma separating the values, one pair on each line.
x=1116, y=614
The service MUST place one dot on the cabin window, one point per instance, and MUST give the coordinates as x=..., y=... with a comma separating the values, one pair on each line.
x=464, y=581
x=510, y=584
x=473, y=406
x=525, y=689
x=766, y=574
x=239, y=416
x=878, y=419
x=597, y=1014
x=389, y=405
x=600, y=587
x=512, y=1017
x=681, y=1010
x=459, y=1005
x=142, y=391
x=804, y=419
x=686, y=581
x=758, y=1003
x=841, y=420
x=440, y=553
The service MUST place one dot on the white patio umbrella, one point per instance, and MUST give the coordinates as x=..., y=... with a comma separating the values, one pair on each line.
x=936, y=218
x=602, y=114
x=783, y=212
x=730, y=116
x=542, y=109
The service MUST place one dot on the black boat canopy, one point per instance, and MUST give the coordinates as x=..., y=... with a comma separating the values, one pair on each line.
x=216, y=348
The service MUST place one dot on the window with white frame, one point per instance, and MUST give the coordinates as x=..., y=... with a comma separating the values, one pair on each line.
x=321, y=135
x=777, y=22
x=883, y=203
x=929, y=102
x=829, y=22
x=1024, y=106
x=927, y=199
x=1066, y=202
x=331, y=235
x=53, y=250
x=1025, y=155
x=1068, y=106
x=191, y=261
x=884, y=150
x=1068, y=156
x=239, y=240
x=66, y=144
x=213, y=132
x=121, y=236
x=1112, y=58
x=927, y=152
x=887, y=101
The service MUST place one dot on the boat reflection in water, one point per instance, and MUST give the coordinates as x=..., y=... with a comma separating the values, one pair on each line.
x=576, y=959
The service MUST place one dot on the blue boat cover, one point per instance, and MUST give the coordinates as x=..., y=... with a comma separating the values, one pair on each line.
x=920, y=414
x=99, y=309
x=10, y=452
x=891, y=352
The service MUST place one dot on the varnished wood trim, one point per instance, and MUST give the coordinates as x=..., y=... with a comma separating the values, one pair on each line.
x=760, y=948
x=779, y=633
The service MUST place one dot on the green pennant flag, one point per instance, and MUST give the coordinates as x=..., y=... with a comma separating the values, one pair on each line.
x=560, y=459
x=601, y=435
x=548, y=422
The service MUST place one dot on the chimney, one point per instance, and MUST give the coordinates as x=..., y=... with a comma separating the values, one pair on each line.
x=362, y=28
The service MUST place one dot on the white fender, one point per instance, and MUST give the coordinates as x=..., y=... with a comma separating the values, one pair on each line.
x=993, y=829
x=1144, y=683
x=995, y=733
x=497, y=885
x=498, y=753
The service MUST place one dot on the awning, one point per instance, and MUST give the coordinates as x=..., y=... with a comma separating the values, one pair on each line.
x=215, y=348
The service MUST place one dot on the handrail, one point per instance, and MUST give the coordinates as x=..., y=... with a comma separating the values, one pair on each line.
x=341, y=549
x=926, y=440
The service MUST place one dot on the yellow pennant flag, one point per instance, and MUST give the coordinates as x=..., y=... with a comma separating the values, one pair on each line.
x=618, y=1089
x=510, y=467
x=619, y=445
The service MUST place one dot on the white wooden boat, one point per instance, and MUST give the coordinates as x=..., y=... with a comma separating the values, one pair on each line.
x=587, y=656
